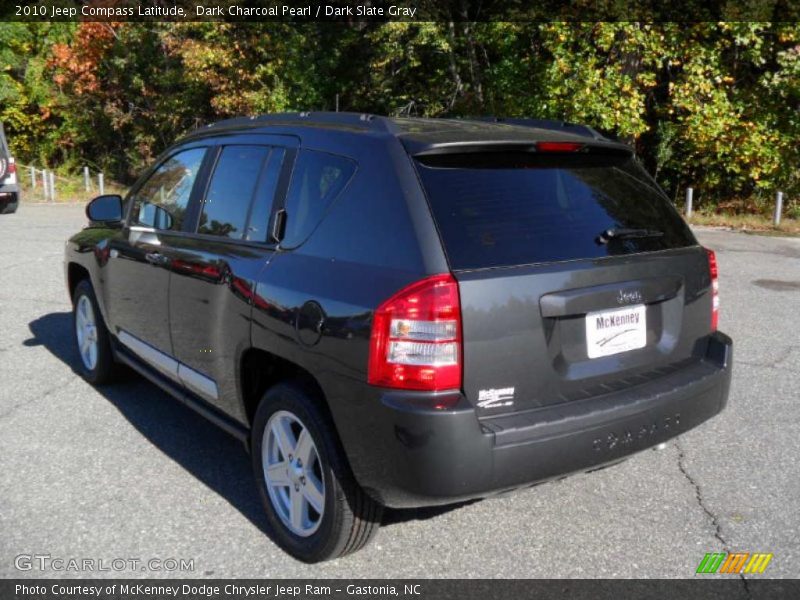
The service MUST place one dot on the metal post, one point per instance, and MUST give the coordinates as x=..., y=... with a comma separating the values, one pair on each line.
x=337, y=102
x=101, y=184
x=778, y=208
x=86, y=178
x=689, y=195
x=44, y=184
x=33, y=178
x=52, y=187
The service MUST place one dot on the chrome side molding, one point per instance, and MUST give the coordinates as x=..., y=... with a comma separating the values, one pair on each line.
x=197, y=382
x=155, y=358
x=194, y=380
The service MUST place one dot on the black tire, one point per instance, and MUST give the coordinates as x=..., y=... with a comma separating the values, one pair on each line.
x=105, y=368
x=350, y=517
x=9, y=203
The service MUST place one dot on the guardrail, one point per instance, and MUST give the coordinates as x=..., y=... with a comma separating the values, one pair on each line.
x=48, y=186
x=776, y=215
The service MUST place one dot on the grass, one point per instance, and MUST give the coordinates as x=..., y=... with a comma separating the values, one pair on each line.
x=759, y=224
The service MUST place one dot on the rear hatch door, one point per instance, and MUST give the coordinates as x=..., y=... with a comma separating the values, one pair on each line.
x=577, y=277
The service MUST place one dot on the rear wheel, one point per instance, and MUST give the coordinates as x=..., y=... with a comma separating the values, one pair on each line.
x=9, y=203
x=91, y=336
x=315, y=509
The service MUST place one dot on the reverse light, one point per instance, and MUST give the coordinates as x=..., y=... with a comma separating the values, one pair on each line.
x=416, y=337
x=558, y=146
x=712, y=269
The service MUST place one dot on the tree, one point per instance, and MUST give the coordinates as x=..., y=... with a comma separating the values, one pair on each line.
x=714, y=105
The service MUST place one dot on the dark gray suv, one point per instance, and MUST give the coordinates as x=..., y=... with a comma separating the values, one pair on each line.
x=403, y=312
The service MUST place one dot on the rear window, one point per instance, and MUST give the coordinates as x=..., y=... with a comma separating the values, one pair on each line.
x=4, y=152
x=503, y=209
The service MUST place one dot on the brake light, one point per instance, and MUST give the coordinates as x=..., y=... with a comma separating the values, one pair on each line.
x=558, y=146
x=712, y=269
x=416, y=337
x=12, y=166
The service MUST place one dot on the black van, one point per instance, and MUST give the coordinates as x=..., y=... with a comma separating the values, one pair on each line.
x=403, y=312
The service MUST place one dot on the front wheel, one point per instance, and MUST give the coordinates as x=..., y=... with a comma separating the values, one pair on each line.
x=91, y=336
x=315, y=509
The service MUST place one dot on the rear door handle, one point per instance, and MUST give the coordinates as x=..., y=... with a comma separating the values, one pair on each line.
x=156, y=258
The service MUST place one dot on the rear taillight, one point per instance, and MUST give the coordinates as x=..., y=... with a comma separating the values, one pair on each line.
x=12, y=166
x=712, y=269
x=416, y=337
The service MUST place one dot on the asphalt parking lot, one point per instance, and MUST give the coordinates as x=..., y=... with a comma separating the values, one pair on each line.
x=126, y=472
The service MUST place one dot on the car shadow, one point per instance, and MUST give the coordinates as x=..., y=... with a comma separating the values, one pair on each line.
x=212, y=456
x=396, y=516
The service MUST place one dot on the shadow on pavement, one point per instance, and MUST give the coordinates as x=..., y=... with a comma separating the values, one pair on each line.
x=211, y=455
x=395, y=516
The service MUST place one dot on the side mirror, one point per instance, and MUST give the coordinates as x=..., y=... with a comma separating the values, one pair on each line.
x=105, y=209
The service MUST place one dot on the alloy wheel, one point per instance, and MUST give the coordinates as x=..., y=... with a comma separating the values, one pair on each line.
x=293, y=473
x=86, y=332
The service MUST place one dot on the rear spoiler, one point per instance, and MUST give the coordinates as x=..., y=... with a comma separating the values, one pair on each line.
x=561, y=145
x=551, y=124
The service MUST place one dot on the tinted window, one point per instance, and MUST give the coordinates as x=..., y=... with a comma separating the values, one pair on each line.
x=316, y=180
x=162, y=201
x=230, y=191
x=258, y=225
x=511, y=209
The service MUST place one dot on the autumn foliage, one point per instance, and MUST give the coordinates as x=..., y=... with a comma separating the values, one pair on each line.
x=713, y=105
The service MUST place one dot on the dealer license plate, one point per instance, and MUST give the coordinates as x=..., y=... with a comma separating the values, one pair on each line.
x=613, y=331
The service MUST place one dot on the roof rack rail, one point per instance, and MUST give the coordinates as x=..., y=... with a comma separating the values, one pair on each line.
x=583, y=130
x=352, y=119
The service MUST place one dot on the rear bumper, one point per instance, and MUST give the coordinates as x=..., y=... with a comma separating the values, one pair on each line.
x=411, y=456
x=10, y=188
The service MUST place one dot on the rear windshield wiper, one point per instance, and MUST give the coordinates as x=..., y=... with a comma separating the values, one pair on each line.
x=623, y=233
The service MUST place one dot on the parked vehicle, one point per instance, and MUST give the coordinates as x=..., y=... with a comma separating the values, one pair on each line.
x=9, y=188
x=403, y=312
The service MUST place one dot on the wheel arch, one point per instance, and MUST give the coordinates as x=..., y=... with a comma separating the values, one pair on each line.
x=75, y=274
x=259, y=370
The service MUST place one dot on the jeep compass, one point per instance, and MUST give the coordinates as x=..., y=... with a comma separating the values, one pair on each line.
x=403, y=312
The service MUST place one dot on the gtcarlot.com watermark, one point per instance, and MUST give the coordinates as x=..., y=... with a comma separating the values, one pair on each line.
x=47, y=562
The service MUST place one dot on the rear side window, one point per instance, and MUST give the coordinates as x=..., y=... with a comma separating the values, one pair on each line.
x=230, y=191
x=317, y=179
x=504, y=209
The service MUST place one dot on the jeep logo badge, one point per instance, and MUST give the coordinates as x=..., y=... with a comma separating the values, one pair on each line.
x=629, y=297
